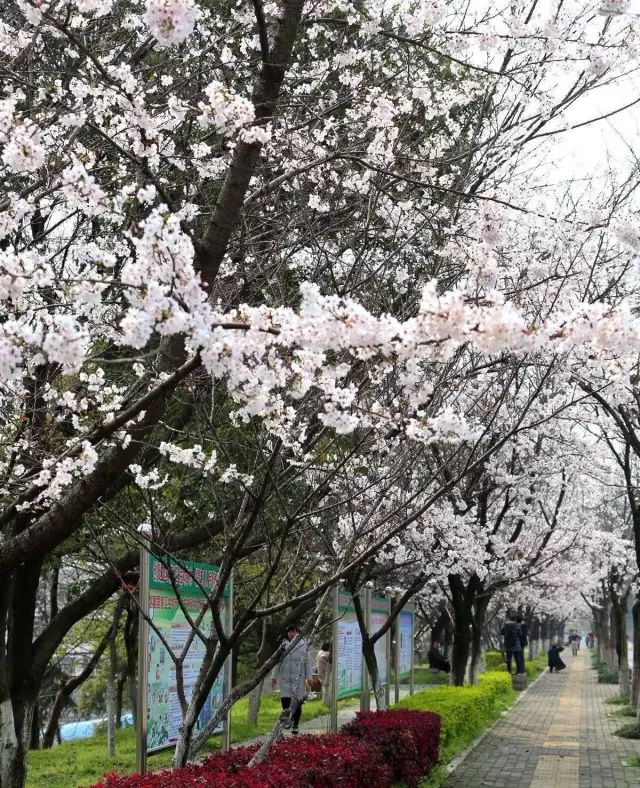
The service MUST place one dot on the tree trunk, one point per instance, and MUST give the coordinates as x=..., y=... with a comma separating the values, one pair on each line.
x=112, y=678
x=371, y=661
x=477, y=627
x=34, y=743
x=635, y=679
x=14, y=741
x=20, y=688
x=130, y=636
x=255, y=698
x=122, y=680
x=462, y=623
x=619, y=606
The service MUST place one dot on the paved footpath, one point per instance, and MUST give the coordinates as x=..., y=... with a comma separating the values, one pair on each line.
x=558, y=736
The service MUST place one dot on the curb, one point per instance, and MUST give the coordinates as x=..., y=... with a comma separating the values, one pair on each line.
x=455, y=762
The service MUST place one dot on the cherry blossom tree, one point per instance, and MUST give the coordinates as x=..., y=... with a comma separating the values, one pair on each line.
x=320, y=220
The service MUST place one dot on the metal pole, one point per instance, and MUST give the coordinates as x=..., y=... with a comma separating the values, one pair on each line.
x=334, y=662
x=397, y=656
x=413, y=648
x=143, y=658
x=228, y=667
x=365, y=699
x=387, y=685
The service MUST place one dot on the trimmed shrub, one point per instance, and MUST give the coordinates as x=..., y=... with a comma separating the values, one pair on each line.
x=494, y=660
x=464, y=711
x=408, y=740
x=496, y=683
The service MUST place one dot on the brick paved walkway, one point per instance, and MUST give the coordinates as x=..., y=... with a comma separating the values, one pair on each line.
x=558, y=736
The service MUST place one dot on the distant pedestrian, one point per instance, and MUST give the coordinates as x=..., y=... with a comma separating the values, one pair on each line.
x=574, y=639
x=293, y=672
x=555, y=662
x=512, y=646
x=323, y=669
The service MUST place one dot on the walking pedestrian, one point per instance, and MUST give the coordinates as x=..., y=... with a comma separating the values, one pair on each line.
x=293, y=671
x=574, y=639
x=513, y=648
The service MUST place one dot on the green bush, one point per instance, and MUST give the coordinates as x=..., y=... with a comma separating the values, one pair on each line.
x=494, y=660
x=536, y=666
x=497, y=683
x=464, y=711
x=604, y=677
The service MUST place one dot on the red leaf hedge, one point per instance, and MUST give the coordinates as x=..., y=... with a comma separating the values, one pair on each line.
x=409, y=740
x=376, y=750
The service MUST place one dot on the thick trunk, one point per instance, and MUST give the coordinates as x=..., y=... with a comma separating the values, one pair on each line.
x=14, y=744
x=9, y=747
x=477, y=627
x=619, y=606
x=607, y=641
x=18, y=687
x=255, y=698
x=462, y=623
x=635, y=679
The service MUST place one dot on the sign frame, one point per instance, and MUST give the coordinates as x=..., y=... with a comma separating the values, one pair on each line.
x=146, y=560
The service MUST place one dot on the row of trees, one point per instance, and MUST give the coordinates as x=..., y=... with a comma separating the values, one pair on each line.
x=294, y=287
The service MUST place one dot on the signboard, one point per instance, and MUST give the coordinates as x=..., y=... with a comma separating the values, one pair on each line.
x=380, y=609
x=405, y=637
x=348, y=648
x=166, y=609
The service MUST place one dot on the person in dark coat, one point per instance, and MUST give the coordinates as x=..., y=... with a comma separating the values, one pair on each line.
x=524, y=632
x=513, y=648
x=555, y=663
x=436, y=658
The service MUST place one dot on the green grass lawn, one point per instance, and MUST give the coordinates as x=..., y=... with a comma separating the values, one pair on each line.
x=84, y=762
x=422, y=675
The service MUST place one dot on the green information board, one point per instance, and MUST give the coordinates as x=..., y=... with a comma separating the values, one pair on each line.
x=380, y=610
x=168, y=612
x=348, y=648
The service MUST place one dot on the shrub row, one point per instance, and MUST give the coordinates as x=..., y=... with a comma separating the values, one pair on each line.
x=494, y=660
x=377, y=750
x=464, y=711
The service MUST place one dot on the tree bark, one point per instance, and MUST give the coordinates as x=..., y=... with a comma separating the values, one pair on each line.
x=462, y=601
x=477, y=626
x=635, y=678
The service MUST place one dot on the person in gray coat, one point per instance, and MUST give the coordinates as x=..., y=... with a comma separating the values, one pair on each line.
x=293, y=671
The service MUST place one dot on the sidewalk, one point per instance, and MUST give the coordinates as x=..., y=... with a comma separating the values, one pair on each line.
x=557, y=736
